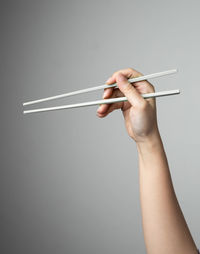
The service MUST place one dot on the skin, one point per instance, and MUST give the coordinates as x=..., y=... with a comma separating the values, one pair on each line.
x=165, y=229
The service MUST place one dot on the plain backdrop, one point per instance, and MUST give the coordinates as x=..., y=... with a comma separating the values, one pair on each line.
x=69, y=180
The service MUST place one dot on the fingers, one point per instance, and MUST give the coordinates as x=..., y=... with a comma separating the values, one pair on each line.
x=111, y=108
x=142, y=86
x=108, y=92
x=129, y=91
x=105, y=108
x=128, y=73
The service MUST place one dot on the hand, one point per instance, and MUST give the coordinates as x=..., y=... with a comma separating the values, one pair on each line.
x=139, y=113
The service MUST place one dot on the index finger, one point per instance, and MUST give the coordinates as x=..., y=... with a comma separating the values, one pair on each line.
x=142, y=86
x=128, y=73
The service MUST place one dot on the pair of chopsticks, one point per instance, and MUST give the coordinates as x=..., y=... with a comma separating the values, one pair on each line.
x=106, y=101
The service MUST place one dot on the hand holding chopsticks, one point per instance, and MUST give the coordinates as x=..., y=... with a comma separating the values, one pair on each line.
x=140, y=115
x=107, y=101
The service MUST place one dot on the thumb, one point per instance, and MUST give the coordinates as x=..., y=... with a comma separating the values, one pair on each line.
x=128, y=90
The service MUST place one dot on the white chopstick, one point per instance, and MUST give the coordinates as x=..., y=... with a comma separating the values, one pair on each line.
x=106, y=101
x=141, y=78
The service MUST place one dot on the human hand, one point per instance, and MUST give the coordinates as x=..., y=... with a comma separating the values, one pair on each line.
x=139, y=113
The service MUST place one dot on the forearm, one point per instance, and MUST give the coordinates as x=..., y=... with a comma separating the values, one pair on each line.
x=165, y=229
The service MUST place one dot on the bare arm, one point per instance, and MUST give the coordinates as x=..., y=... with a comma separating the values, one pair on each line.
x=165, y=229
x=164, y=226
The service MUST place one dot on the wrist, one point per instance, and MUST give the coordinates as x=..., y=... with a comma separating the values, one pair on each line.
x=150, y=143
x=151, y=152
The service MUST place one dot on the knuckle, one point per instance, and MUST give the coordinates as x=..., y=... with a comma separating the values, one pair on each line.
x=130, y=69
x=123, y=70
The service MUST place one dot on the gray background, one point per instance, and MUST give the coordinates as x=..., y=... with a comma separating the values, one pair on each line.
x=69, y=180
